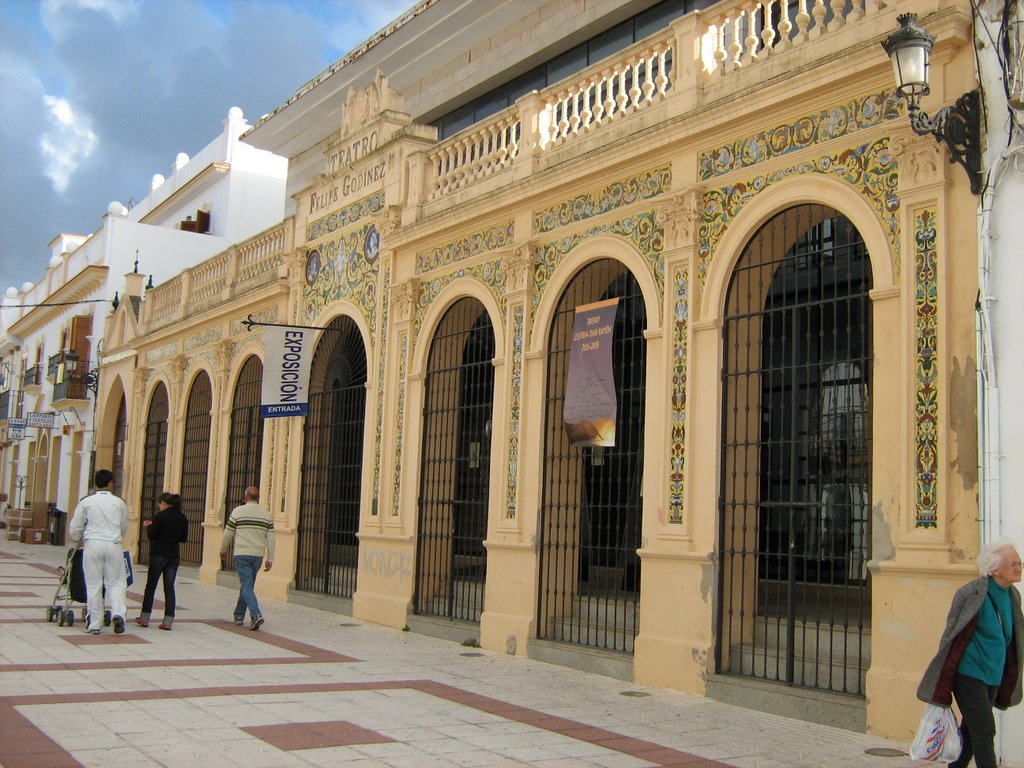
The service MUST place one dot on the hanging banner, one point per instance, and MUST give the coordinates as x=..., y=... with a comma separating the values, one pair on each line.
x=286, y=371
x=590, y=398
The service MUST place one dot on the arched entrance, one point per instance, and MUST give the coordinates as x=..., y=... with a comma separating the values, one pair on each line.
x=120, y=438
x=451, y=562
x=154, y=458
x=195, y=465
x=796, y=455
x=332, y=463
x=589, y=587
x=245, y=441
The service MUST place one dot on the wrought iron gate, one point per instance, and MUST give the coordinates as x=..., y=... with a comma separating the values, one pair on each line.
x=796, y=457
x=154, y=458
x=195, y=466
x=451, y=562
x=245, y=442
x=332, y=463
x=589, y=588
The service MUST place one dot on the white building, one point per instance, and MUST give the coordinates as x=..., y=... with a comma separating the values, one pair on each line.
x=50, y=332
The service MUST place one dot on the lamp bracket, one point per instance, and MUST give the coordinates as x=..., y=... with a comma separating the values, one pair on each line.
x=959, y=128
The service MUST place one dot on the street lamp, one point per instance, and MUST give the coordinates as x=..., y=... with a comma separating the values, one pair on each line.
x=959, y=127
x=90, y=378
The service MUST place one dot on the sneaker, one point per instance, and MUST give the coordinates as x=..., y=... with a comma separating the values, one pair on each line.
x=256, y=623
x=239, y=620
x=118, y=625
x=93, y=631
x=142, y=622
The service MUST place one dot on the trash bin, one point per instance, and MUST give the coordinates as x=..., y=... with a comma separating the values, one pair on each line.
x=56, y=520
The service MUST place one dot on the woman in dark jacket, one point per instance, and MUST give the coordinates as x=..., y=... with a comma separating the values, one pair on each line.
x=166, y=531
x=980, y=653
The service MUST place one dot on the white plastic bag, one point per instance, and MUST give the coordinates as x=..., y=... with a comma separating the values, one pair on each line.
x=938, y=737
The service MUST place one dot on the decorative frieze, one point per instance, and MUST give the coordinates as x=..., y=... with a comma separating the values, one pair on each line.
x=680, y=355
x=869, y=168
x=202, y=338
x=161, y=353
x=825, y=125
x=926, y=369
x=643, y=186
x=268, y=315
x=515, y=406
x=640, y=229
x=490, y=239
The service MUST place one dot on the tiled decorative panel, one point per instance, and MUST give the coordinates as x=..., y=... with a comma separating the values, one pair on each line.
x=348, y=268
x=926, y=369
x=491, y=273
x=511, y=489
x=869, y=168
x=382, y=347
x=403, y=370
x=490, y=239
x=828, y=124
x=643, y=186
x=680, y=351
x=640, y=229
x=345, y=217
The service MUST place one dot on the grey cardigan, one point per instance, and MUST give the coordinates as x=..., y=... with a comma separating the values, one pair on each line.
x=937, y=684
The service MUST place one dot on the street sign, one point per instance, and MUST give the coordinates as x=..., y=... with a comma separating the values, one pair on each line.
x=39, y=420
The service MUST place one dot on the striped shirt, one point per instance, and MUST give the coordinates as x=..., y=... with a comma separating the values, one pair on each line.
x=252, y=529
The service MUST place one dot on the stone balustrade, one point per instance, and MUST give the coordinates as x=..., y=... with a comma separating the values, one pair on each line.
x=700, y=48
x=241, y=267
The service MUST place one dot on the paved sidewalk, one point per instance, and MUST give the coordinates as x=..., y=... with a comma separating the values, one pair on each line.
x=321, y=689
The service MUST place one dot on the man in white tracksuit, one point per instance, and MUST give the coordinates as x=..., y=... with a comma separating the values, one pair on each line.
x=101, y=520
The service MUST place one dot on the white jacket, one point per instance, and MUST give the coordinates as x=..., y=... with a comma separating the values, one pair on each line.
x=101, y=517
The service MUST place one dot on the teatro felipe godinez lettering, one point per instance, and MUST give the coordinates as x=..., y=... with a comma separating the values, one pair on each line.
x=786, y=349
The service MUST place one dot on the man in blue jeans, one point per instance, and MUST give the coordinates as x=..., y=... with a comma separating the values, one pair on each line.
x=252, y=529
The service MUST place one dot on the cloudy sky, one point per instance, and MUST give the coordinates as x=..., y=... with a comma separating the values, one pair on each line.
x=96, y=96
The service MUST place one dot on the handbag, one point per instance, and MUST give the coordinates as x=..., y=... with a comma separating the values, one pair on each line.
x=938, y=737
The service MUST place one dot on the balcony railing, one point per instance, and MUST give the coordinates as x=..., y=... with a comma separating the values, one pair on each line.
x=8, y=401
x=33, y=375
x=70, y=389
x=221, y=277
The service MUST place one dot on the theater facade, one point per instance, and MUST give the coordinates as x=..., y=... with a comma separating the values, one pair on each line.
x=787, y=497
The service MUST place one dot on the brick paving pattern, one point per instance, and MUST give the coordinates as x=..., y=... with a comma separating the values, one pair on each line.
x=315, y=688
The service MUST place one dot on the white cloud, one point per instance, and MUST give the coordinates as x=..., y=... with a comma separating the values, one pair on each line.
x=68, y=142
x=54, y=13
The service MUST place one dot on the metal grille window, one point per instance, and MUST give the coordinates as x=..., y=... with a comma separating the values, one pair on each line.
x=796, y=456
x=332, y=463
x=457, y=413
x=245, y=442
x=120, y=437
x=591, y=514
x=195, y=466
x=154, y=458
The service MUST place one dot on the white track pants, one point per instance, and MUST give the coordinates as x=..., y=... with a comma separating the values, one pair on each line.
x=103, y=564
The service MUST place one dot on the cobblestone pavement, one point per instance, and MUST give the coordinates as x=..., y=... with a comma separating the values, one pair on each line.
x=323, y=689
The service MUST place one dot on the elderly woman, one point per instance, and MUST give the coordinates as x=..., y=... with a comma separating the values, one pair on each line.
x=980, y=653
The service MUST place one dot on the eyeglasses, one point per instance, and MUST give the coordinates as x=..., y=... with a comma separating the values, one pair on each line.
x=1015, y=564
